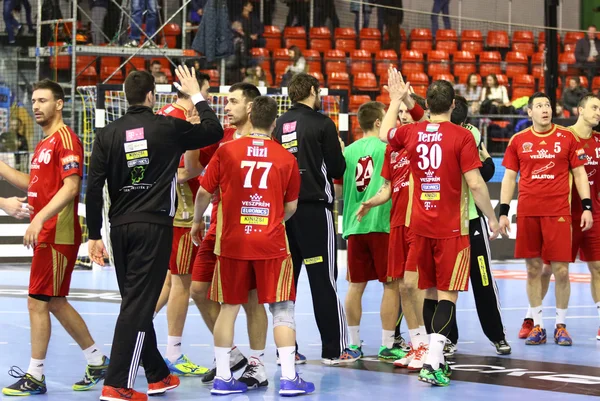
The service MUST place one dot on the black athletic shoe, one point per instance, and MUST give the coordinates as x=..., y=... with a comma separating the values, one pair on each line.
x=255, y=375
x=502, y=347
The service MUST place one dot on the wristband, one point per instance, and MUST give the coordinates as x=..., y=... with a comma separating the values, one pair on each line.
x=504, y=208
x=586, y=204
x=197, y=98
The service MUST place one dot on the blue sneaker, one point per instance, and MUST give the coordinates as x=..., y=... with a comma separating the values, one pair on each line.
x=26, y=385
x=562, y=336
x=300, y=359
x=231, y=386
x=292, y=388
x=348, y=356
x=537, y=336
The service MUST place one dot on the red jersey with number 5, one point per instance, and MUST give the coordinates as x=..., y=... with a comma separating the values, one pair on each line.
x=56, y=157
x=439, y=154
x=545, y=161
x=255, y=177
x=396, y=170
x=591, y=147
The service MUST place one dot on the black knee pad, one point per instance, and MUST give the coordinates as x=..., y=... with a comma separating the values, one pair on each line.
x=444, y=318
x=40, y=297
x=429, y=306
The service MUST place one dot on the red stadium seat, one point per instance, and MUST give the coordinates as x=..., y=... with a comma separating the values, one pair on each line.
x=516, y=58
x=320, y=32
x=345, y=45
x=527, y=48
x=301, y=43
x=487, y=69
x=523, y=81
x=321, y=45
x=522, y=92
x=272, y=35
x=338, y=80
x=421, y=34
x=356, y=101
x=386, y=55
x=281, y=54
x=513, y=70
x=497, y=39
x=446, y=34
x=345, y=33
x=365, y=81
x=337, y=55
x=450, y=47
x=319, y=76
x=475, y=47
x=471, y=35
x=566, y=64
x=335, y=66
x=421, y=45
x=444, y=77
x=523, y=37
x=297, y=32
x=573, y=37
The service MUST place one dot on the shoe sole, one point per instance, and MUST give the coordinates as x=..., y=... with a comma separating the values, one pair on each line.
x=110, y=399
x=293, y=393
x=226, y=392
x=330, y=362
x=433, y=382
x=20, y=394
x=532, y=343
x=162, y=390
x=507, y=352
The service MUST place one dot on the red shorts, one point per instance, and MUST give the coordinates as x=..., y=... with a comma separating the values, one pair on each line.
x=183, y=251
x=234, y=278
x=547, y=237
x=443, y=263
x=400, y=257
x=368, y=258
x=204, y=264
x=587, y=243
x=51, y=269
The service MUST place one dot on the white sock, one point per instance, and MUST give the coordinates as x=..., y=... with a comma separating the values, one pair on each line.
x=561, y=316
x=416, y=338
x=36, y=368
x=435, y=355
x=258, y=354
x=222, y=358
x=598, y=308
x=536, y=312
x=423, y=332
x=387, y=338
x=173, y=348
x=93, y=355
x=529, y=314
x=287, y=356
x=354, y=335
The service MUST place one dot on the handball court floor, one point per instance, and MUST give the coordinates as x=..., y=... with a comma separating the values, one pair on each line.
x=548, y=371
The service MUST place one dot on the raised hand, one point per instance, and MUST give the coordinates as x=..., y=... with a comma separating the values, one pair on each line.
x=188, y=84
x=397, y=88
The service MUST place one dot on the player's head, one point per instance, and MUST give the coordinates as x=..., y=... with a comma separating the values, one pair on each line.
x=461, y=110
x=204, y=84
x=139, y=88
x=155, y=67
x=47, y=101
x=440, y=97
x=404, y=114
x=589, y=110
x=370, y=115
x=239, y=102
x=591, y=32
x=305, y=88
x=264, y=114
x=540, y=109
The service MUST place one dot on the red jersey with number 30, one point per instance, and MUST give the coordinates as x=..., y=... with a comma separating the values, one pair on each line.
x=544, y=160
x=255, y=177
x=56, y=157
x=439, y=154
x=396, y=169
x=591, y=147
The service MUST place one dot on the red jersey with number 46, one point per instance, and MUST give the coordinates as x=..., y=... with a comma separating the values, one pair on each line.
x=396, y=169
x=439, y=154
x=255, y=177
x=56, y=157
x=545, y=161
x=591, y=147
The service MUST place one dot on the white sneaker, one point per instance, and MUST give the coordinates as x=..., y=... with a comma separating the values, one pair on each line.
x=237, y=360
x=450, y=349
x=255, y=375
x=420, y=356
x=403, y=362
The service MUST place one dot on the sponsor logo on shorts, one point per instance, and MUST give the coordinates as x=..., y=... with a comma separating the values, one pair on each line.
x=561, y=220
x=289, y=127
x=138, y=162
x=136, y=155
x=254, y=220
x=135, y=146
x=134, y=134
x=431, y=196
x=312, y=261
x=255, y=211
x=430, y=187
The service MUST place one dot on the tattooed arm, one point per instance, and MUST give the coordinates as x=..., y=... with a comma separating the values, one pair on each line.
x=383, y=195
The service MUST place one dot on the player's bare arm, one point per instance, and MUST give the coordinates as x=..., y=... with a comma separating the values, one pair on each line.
x=15, y=177
x=193, y=168
x=507, y=190
x=398, y=91
x=15, y=207
x=289, y=209
x=66, y=194
x=202, y=201
x=481, y=196
x=583, y=188
x=383, y=195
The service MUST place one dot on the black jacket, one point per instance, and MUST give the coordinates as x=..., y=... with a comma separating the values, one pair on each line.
x=313, y=138
x=138, y=155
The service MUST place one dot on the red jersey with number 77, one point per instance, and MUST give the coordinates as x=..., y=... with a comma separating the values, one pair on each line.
x=591, y=147
x=397, y=171
x=55, y=158
x=439, y=153
x=255, y=177
x=545, y=161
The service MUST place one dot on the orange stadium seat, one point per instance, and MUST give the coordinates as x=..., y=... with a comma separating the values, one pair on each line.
x=356, y=101
x=497, y=39
x=475, y=47
x=523, y=37
x=471, y=35
x=338, y=80
x=365, y=81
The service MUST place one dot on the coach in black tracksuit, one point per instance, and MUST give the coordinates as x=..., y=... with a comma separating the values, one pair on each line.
x=138, y=155
x=312, y=137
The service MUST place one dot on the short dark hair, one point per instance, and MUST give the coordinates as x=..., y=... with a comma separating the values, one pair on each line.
x=200, y=77
x=440, y=95
x=300, y=86
x=154, y=62
x=137, y=86
x=264, y=112
x=585, y=99
x=368, y=113
x=57, y=90
x=419, y=100
x=461, y=110
x=249, y=91
x=536, y=95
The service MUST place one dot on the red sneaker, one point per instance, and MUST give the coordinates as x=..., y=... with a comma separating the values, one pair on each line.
x=117, y=394
x=161, y=387
x=526, y=328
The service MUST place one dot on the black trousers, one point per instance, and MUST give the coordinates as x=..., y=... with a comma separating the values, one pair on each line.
x=141, y=253
x=483, y=284
x=312, y=239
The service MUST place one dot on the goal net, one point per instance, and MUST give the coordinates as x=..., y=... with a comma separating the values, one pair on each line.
x=103, y=104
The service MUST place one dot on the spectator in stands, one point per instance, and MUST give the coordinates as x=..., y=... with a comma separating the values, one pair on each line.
x=587, y=54
x=493, y=96
x=298, y=14
x=160, y=78
x=14, y=141
x=298, y=65
x=196, y=11
x=252, y=27
x=137, y=12
x=27, y=6
x=257, y=77
x=99, y=8
x=572, y=94
x=325, y=9
x=235, y=8
x=440, y=6
x=12, y=25
x=238, y=62
x=560, y=110
x=366, y=9
x=392, y=19
x=470, y=91
x=155, y=68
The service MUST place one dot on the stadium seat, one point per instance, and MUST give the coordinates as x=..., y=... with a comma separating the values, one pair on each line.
x=262, y=57
x=136, y=63
x=523, y=81
x=444, y=77
x=313, y=60
x=566, y=64
x=384, y=98
x=59, y=62
x=281, y=66
x=537, y=64
x=573, y=37
x=171, y=32
x=381, y=70
x=301, y=43
x=542, y=83
x=412, y=61
x=542, y=38
x=370, y=45
x=321, y=45
x=370, y=33
x=516, y=58
x=438, y=62
x=421, y=45
x=356, y=101
x=596, y=84
x=107, y=71
x=446, y=35
x=338, y=80
x=336, y=54
x=281, y=54
x=86, y=70
x=487, y=69
x=419, y=82
x=475, y=47
x=464, y=63
x=502, y=79
x=569, y=47
x=527, y=48
x=360, y=61
x=345, y=45
x=319, y=76
x=497, y=39
x=490, y=57
x=335, y=66
x=516, y=64
x=345, y=33
x=421, y=34
x=513, y=70
x=365, y=81
x=320, y=32
x=471, y=35
x=215, y=76
x=583, y=81
x=447, y=46
x=463, y=79
x=386, y=55
x=297, y=32
x=522, y=92
x=272, y=35
x=523, y=37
